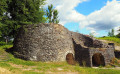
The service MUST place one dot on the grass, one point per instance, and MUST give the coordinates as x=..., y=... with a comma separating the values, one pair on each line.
x=18, y=66
x=111, y=39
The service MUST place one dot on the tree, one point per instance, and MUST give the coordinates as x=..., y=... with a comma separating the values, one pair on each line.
x=77, y=31
x=17, y=13
x=118, y=35
x=3, y=16
x=49, y=13
x=92, y=34
x=52, y=14
x=111, y=33
x=55, y=17
x=24, y=12
x=3, y=7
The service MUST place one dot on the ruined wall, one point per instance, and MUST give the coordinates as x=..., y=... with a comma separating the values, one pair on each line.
x=85, y=47
x=43, y=42
x=107, y=53
x=52, y=42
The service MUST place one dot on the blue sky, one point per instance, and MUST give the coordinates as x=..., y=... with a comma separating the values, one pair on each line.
x=86, y=8
x=89, y=16
x=90, y=6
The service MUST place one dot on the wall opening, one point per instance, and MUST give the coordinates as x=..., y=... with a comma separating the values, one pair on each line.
x=70, y=59
x=98, y=60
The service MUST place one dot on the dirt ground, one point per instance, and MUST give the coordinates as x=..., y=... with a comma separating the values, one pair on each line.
x=4, y=71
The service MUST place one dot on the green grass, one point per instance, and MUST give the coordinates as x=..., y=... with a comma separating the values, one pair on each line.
x=18, y=66
x=112, y=39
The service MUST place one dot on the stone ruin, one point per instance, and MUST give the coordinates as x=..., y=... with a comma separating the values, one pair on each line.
x=53, y=42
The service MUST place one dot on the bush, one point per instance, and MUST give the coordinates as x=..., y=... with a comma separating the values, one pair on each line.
x=118, y=36
x=4, y=43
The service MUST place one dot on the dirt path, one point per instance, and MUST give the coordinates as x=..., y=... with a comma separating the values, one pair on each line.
x=4, y=71
x=116, y=68
x=62, y=73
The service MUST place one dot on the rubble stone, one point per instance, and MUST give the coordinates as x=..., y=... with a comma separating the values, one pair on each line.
x=52, y=42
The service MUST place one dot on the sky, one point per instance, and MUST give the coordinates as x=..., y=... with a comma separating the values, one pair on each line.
x=88, y=16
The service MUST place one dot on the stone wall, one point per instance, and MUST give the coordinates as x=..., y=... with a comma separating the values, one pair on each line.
x=85, y=47
x=43, y=42
x=52, y=42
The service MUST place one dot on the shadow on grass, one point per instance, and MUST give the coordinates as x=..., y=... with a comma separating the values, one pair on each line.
x=10, y=50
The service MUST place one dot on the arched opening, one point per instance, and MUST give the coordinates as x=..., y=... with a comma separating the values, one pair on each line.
x=98, y=60
x=70, y=59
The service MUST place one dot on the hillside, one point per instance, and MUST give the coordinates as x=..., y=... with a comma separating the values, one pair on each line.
x=114, y=40
x=11, y=65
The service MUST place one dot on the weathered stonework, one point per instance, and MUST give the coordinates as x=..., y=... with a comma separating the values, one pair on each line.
x=43, y=42
x=85, y=47
x=52, y=42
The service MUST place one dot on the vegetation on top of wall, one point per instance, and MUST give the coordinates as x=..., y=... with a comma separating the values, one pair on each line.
x=112, y=39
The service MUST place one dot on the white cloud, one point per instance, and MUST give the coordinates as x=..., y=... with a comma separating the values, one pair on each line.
x=67, y=12
x=106, y=18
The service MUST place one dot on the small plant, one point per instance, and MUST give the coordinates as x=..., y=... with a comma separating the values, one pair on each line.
x=100, y=66
x=84, y=63
x=115, y=62
x=108, y=66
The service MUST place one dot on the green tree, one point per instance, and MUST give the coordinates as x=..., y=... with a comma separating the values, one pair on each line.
x=49, y=13
x=52, y=14
x=118, y=35
x=24, y=12
x=3, y=16
x=92, y=34
x=111, y=33
x=16, y=13
x=55, y=17
x=3, y=7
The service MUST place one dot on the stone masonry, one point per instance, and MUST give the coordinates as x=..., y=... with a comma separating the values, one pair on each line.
x=52, y=42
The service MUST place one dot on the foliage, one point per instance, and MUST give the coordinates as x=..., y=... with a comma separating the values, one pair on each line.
x=26, y=10
x=52, y=14
x=118, y=35
x=115, y=62
x=92, y=34
x=55, y=17
x=77, y=31
x=113, y=39
x=111, y=33
x=3, y=7
x=117, y=40
x=17, y=13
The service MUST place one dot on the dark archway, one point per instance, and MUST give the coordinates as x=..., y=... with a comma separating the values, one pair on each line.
x=70, y=59
x=98, y=60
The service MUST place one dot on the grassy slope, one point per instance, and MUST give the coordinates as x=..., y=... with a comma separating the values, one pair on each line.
x=18, y=66
x=111, y=39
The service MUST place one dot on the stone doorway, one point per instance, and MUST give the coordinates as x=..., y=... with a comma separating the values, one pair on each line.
x=70, y=59
x=98, y=60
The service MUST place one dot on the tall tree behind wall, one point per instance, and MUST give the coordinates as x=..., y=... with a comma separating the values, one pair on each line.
x=118, y=35
x=111, y=33
x=3, y=16
x=52, y=14
x=24, y=12
x=16, y=13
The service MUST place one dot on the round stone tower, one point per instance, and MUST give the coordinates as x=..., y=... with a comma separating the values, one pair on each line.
x=43, y=42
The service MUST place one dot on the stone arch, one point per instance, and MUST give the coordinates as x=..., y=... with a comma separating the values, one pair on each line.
x=70, y=59
x=98, y=60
